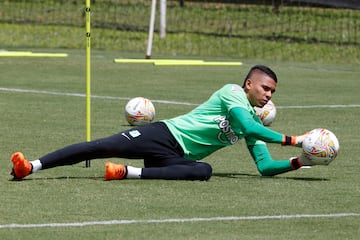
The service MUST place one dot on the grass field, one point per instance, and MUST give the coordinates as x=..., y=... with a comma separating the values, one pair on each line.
x=42, y=110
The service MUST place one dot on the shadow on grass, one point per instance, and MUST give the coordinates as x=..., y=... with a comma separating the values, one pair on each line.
x=56, y=178
x=242, y=175
x=221, y=175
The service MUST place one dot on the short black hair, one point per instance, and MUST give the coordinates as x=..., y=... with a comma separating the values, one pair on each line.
x=263, y=69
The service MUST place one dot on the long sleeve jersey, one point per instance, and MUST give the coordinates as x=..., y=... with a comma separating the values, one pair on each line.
x=224, y=119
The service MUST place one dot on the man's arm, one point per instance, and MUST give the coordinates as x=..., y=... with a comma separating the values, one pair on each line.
x=256, y=130
x=264, y=162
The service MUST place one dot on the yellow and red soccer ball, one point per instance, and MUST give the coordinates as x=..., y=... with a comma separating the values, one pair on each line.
x=267, y=113
x=321, y=146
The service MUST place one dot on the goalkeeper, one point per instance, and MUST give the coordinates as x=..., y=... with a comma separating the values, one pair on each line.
x=173, y=149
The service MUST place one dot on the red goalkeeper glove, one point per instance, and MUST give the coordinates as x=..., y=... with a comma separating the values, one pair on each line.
x=298, y=162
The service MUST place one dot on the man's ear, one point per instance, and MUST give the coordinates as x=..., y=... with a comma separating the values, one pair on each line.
x=248, y=83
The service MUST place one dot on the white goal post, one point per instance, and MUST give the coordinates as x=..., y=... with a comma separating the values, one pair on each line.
x=152, y=25
x=162, y=19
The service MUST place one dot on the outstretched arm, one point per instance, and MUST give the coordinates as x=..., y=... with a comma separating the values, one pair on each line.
x=256, y=130
x=264, y=162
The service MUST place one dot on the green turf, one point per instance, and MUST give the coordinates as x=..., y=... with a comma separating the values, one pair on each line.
x=37, y=123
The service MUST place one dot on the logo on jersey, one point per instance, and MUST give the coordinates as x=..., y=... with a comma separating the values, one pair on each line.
x=236, y=88
x=226, y=133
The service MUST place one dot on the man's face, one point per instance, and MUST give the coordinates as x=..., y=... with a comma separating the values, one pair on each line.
x=259, y=88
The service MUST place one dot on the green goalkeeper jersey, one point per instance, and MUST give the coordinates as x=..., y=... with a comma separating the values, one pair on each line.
x=213, y=124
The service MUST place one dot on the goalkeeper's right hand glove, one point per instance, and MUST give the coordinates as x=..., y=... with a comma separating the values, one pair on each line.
x=294, y=140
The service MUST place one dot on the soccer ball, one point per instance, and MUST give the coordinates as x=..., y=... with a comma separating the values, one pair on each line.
x=139, y=111
x=320, y=146
x=267, y=113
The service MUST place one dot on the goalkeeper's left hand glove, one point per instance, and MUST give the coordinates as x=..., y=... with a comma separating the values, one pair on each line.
x=294, y=140
x=298, y=162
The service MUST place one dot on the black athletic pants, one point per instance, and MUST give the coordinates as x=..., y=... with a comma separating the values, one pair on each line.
x=162, y=155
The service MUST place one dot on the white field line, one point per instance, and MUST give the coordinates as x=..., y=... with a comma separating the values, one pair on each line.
x=178, y=220
x=18, y=90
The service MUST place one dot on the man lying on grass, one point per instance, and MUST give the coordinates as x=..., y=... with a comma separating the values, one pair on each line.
x=172, y=149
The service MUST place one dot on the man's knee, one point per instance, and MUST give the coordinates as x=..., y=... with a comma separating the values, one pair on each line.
x=204, y=171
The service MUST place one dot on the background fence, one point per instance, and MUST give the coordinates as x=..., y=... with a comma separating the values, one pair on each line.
x=208, y=28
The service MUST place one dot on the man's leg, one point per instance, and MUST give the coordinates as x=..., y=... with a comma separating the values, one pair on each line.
x=182, y=170
x=153, y=140
x=176, y=169
x=116, y=145
x=101, y=148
